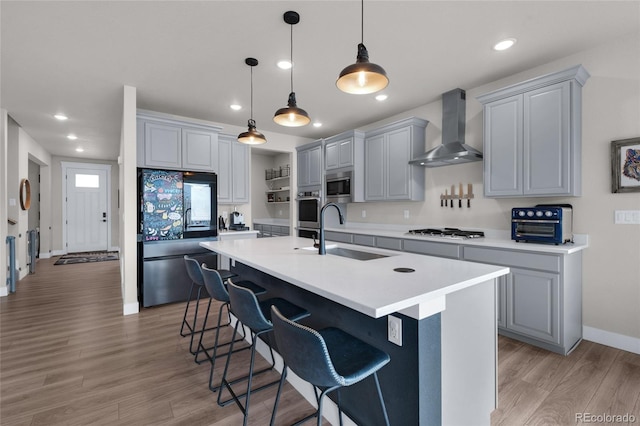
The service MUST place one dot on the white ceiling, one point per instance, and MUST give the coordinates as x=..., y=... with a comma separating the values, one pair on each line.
x=187, y=58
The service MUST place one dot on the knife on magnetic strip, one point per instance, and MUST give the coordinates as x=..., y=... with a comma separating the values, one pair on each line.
x=469, y=194
x=453, y=194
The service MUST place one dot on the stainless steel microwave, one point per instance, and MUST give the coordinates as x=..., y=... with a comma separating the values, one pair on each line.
x=338, y=187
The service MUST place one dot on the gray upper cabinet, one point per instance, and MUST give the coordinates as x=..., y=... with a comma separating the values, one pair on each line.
x=388, y=176
x=310, y=166
x=344, y=150
x=233, y=174
x=199, y=150
x=532, y=138
x=166, y=142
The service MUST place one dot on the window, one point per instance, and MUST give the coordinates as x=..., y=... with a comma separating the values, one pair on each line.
x=87, y=181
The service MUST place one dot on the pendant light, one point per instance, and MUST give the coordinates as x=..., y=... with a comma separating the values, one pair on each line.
x=251, y=136
x=292, y=116
x=363, y=77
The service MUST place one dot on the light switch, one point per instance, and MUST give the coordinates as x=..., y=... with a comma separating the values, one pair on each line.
x=627, y=217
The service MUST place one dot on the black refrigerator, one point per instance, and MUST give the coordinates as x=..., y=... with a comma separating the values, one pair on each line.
x=178, y=210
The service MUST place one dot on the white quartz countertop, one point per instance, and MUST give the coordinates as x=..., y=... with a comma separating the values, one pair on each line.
x=371, y=287
x=495, y=239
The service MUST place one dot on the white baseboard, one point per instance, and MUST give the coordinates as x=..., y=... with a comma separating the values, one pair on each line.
x=4, y=290
x=45, y=255
x=58, y=252
x=130, y=308
x=615, y=340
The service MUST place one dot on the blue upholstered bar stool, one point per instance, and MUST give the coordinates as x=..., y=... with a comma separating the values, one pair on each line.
x=217, y=290
x=257, y=317
x=195, y=274
x=327, y=358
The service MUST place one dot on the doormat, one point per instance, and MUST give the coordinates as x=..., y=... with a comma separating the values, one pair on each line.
x=87, y=257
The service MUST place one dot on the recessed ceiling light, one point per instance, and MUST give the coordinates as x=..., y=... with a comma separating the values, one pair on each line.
x=61, y=117
x=235, y=107
x=284, y=65
x=79, y=149
x=504, y=44
x=317, y=124
x=72, y=137
x=381, y=98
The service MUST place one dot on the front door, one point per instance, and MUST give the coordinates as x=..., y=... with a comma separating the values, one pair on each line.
x=87, y=221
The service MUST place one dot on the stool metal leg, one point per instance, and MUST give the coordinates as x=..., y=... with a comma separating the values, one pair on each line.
x=216, y=344
x=195, y=320
x=384, y=408
x=184, y=319
x=247, y=395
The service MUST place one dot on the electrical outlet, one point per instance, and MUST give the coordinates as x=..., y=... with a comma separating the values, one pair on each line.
x=394, y=330
x=364, y=213
x=406, y=214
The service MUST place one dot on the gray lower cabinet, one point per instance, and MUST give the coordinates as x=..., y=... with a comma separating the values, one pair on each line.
x=532, y=303
x=431, y=248
x=388, y=176
x=364, y=240
x=266, y=231
x=532, y=136
x=540, y=301
x=233, y=171
x=168, y=143
x=310, y=167
x=341, y=237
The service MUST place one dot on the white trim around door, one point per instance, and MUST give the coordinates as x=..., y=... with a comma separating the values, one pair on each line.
x=66, y=166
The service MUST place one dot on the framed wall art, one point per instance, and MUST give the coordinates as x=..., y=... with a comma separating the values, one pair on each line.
x=625, y=165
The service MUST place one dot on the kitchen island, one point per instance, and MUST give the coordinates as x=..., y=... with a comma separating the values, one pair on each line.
x=444, y=371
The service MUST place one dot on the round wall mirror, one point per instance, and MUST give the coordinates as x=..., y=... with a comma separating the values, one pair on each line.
x=25, y=194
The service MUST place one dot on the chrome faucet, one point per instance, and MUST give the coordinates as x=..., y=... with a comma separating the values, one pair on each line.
x=321, y=248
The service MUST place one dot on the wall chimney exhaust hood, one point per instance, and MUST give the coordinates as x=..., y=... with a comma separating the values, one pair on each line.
x=453, y=150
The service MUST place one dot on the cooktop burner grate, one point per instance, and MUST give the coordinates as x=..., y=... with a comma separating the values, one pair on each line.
x=446, y=233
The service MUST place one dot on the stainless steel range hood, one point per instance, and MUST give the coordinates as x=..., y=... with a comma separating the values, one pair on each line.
x=453, y=150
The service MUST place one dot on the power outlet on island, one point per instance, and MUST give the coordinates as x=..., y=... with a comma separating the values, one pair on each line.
x=394, y=330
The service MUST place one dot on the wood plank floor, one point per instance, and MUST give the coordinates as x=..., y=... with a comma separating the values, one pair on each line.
x=68, y=356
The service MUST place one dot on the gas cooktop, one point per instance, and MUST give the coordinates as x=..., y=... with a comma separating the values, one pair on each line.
x=454, y=233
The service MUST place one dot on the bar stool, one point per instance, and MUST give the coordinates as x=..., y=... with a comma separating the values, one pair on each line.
x=217, y=290
x=195, y=274
x=257, y=317
x=329, y=359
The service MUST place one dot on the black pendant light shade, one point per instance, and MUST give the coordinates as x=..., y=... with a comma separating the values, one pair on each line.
x=251, y=136
x=363, y=77
x=291, y=116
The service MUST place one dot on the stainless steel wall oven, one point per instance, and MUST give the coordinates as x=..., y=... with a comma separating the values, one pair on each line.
x=309, y=212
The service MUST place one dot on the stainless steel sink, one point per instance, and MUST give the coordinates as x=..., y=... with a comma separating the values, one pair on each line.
x=354, y=254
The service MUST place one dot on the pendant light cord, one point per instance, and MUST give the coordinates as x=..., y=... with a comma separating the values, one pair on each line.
x=251, y=92
x=291, y=55
x=362, y=21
